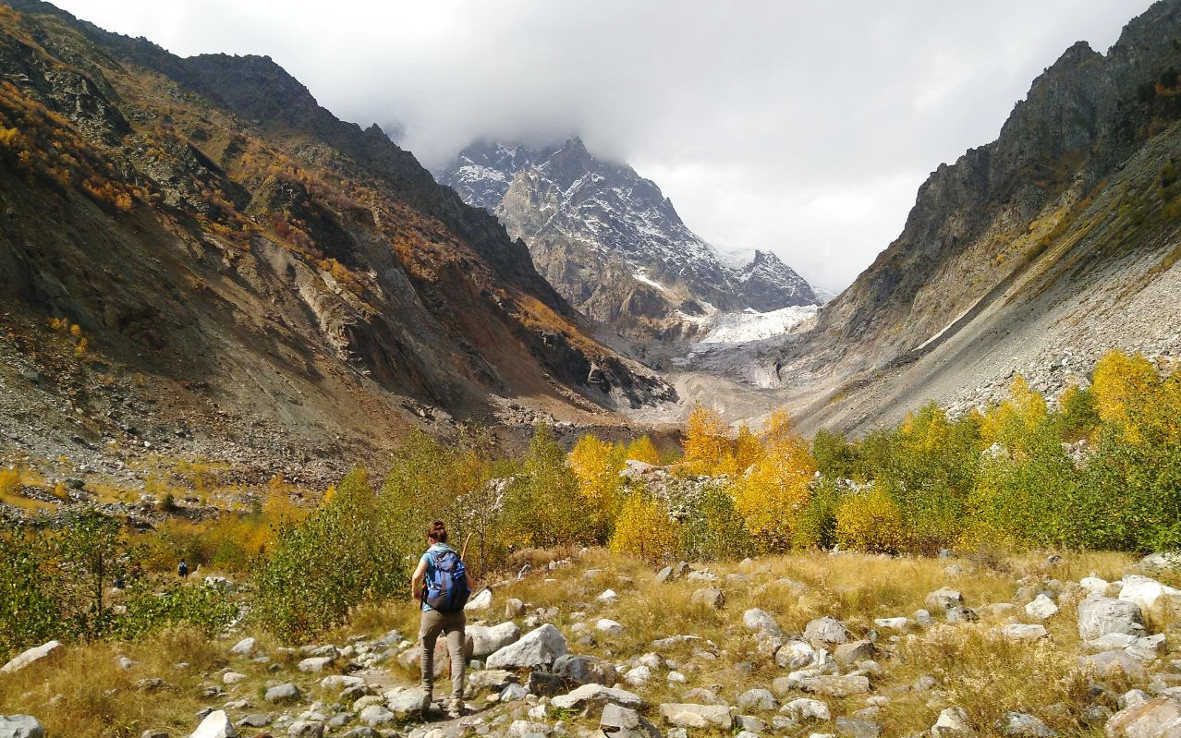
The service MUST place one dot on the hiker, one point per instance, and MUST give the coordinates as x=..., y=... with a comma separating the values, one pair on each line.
x=182, y=569
x=441, y=583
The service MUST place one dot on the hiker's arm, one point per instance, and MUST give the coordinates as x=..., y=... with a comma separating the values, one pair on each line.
x=416, y=579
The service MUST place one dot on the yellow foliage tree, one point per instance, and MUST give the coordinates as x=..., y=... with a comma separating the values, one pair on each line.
x=870, y=521
x=644, y=530
x=707, y=441
x=597, y=465
x=642, y=449
x=1011, y=422
x=1125, y=387
x=773, y=492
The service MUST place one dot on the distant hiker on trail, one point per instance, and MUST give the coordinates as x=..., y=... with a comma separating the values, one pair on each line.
x=182, y=569
x=442, y=584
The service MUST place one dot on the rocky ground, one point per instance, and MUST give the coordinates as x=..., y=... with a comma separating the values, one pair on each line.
x=1061, y=654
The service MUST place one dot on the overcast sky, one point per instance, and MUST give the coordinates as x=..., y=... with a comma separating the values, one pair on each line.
x=800, y=128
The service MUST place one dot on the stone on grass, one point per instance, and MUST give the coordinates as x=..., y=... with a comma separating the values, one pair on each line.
x=1152, y=596
x=514, y=608
x=540, y=647
x=796, y=655
x=1094, y=585
x=215, y=725
x=892, y=623
x=855, y=728
x=1158, y=718
x=376, y=715
x=685, y=715
x=756, y=620
x=513, y=692
x=584, y=670
x=1109, y=661
x=340, y=682
x=21, y=726
x=835, y=686
x=1024, y=725
x=826, y=631
x=314, y=664
x=608, y=597
x=31, y=656
x=406, y=700
x=961, y=614
x=244, y=647
x=756, y=700
x=596, y=695
x=1110, y=642
x=481, y=600
x=1098, y=616
x=848, y=654
x=711, y=597
x=805, y=708
x=1041, y=608
x=361, y=732
x=665, y=575
x=1023, y=631
x=255, y=720
x=608, y=627
x=953, y=723
x=232, y=677
x=622, y=722
x=283, y=693
x=638, y=676
x=483, y=641
x=943, y=598
x=305, y=729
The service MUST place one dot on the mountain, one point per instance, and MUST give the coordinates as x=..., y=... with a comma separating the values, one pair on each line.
x=1030, y=255
x=198, y=257
x=610, y=242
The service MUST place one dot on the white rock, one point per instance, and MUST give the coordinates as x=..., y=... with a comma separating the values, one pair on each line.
x=215, y=725
x=608, y=597
x=1041, y=608
x=483, y=641
x=697, y=716
x=340, y=682
x=1094, y=584
x=756, y=700
x=892, y=623
x=1098, y=616
x=805, y=708
x=826, y=631
x=482, y=600
x=596, y=694
x=21, y=726
x=1152, y=596
x=652, y=660
x=1023, y=631
x=608, y=627
x=314, y=664
x=1109, y=642
x=953, y=723
x=756, y=620
x=375, y=715
x=232, y=677
x=521, y=728
x=638, y=676
x=540, y=647
x=1158, y=718
x=30, y=656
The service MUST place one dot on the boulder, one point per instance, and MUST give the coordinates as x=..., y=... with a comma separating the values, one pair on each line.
x=857, y=728
x=826, y=631
x=540, y=647
x=215, y=725
x=1164, y=561
x=835, y=686
x=609, y=627
x=375, y=715
x=805, y=708
x=232, y=677
x=685, y=715
x=664, y=575
x=514, y=608
x=25, y=726
x=961, y=614
x=1158, y=718
x=639, y=676
x=282, y=694
x=848, y=654
x=623, y=722
x=315, y=664
x=512, y=692
x=543, y=683
x=943, y=598
x=1098, y=616
x=953, y=723
x=1023, y=632
x=490, y=679
x=406, y=701
x=756, y=700
x=483, y=641
x=1041, y=608
x=591, y=696
x=608, y=597
x=756, y=621
x=481, y=600
x=796, y=655
x=1094, y=585
x=1106, y=662
x=244, y=647
x=711, y=597
x=31, y=656
x=305, y=729
x=584, y=670
x=340, y=682
x=1025, y=725
x=1152, y=596
x=899, y=624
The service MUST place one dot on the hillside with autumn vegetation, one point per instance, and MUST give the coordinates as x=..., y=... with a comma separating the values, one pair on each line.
x=240, y=275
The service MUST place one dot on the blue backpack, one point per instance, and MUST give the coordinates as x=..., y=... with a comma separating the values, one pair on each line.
x=446, y=584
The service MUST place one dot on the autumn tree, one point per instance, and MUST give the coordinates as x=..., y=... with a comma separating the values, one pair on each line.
x=642, y=449
x=597, y=465
x=644, y=529
x=774, y=490
x=707, y=442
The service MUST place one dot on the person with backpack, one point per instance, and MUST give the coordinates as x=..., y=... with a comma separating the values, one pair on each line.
x=442, y=584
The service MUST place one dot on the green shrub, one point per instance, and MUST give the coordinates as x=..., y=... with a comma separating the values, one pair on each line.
x=150, y=611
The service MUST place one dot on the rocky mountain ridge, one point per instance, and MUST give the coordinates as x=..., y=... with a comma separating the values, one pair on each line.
x=1033, y=254
x=612, y=244
x=196, y=255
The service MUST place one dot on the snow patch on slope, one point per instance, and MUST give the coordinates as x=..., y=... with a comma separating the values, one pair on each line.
x=748, y=327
